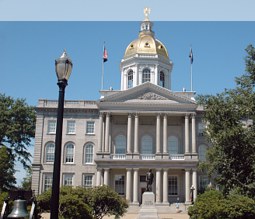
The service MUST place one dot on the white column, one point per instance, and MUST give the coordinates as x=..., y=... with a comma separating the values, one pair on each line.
x=194, y=183
x=158, y=185
x=187, y=185
x=106, y=176
x=158, y=135
x=135, y=186
x=156, y=75
x=165, y=134
x=193, y=134
x=136, y=134
x=129, y=126
x=186, y=134
x=103, y=136
x=165, y=186
x=100, y=141
x=99, y=175
x=128, y=185
x=107, y=130
x=125, y=81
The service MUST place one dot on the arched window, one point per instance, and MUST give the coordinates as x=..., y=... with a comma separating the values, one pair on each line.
x=120, y=144
x=89, y=153
x=146, y=75
x=146, y=147
x=202, y=152
x=69, y=153
x=162, y=79
x=50, y=152
x=173, y=145
x=130, y=78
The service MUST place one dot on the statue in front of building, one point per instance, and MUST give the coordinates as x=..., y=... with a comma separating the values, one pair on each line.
x=149, y=180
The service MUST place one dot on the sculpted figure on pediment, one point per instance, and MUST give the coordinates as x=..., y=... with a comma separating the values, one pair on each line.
x=151, y=96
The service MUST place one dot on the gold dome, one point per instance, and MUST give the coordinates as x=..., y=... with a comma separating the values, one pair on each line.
x=146, y=43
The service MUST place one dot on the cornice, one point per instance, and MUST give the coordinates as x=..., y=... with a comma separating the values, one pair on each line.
x=66, y=110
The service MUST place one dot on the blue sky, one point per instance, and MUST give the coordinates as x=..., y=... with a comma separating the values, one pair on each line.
x=34, y=33
x=28, y=51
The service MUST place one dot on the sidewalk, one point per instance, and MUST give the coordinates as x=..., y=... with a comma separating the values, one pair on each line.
x=161, y=216
x=134, y=216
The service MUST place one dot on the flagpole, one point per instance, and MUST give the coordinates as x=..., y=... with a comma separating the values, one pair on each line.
x=102, y=77
x=191, y=78
x=191, y=62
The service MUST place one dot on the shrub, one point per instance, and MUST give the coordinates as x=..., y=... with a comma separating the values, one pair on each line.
x=3, y=196
x=240, y=207
x=106, y=201
x=213, y=205
x=43, y=201
x=72, y=205
x=78, y=203
x=207, y=206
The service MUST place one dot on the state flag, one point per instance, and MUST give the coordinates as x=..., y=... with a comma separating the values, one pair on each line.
x=191, y=56
x=105, y=55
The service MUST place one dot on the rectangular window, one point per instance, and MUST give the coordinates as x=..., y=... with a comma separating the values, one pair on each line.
x=87, y=181
x=143, y=178
x=201, y=128
x=203, y=183
x=71, y=127
x=52, y=124
x=48, y=178
x=90, y=128
x=68, y=179
x=172, y=185
x=119, y=184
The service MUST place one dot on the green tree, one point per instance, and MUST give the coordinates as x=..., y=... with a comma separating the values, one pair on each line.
x=208, y=206
x=17, y=127
x=105, y=201
x=230, y=118
x=78, y=203
x=27, y=180
x=213, y=205
x=73, y=204
x=7, y=178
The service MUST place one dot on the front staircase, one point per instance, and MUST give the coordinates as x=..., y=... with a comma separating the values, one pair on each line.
x=171, y=209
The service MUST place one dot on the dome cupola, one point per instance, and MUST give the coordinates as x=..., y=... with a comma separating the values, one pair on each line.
x=145, y=59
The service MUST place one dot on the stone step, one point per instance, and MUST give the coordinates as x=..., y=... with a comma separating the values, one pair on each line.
x=161, y=209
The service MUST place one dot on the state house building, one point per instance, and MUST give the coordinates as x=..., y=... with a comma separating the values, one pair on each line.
x=115, y=140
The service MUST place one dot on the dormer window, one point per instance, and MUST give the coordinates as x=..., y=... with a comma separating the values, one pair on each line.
x=130, y=79
x=162, y=79
x=146, y=75
x=147, y=44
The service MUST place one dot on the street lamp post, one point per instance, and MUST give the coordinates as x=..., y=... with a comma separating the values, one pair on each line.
x=192, y=194
x=63, y=67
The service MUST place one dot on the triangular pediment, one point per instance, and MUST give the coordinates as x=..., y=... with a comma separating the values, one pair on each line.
x=148, y=92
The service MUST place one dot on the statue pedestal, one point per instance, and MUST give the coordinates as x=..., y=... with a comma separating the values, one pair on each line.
x=148, y=210
x=148, y=199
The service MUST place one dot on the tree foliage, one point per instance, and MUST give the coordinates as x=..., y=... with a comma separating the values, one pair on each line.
x=7, y=178
x=78, y=203
x=27, y=180
x=17, y=127
x=230, y=118
x=105, y=201
x=213, y=205
x=207, y=206
x=3, y=197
